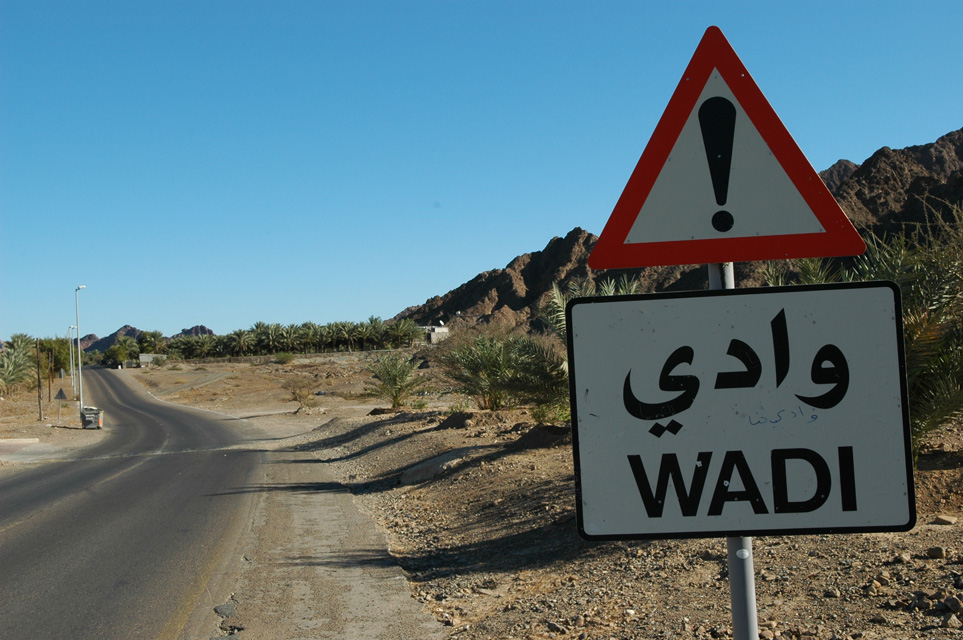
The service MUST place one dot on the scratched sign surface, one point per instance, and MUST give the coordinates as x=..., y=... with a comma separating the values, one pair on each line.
x=749, y=411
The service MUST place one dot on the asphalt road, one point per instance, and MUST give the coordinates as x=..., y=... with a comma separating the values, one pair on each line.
x=122, y=542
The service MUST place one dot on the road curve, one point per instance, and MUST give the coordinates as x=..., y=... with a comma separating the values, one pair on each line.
x=122, y=541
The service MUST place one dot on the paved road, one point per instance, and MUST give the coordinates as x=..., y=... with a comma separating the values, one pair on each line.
x=122, y=542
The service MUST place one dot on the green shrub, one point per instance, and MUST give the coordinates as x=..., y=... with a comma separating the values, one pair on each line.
x=504, y=371
x=395, y=379
x=284, y=358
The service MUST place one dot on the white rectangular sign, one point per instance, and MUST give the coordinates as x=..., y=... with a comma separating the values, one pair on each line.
x=741, y=412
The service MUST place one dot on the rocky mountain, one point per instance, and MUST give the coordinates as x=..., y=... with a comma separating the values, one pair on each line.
x=196, y=330
x=889, y=190
x=91, y=342
x=103, y=344
x=903, y=186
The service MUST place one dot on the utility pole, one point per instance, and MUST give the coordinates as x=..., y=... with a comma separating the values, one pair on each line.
x=39, y=383
x=80, y=354
x=70, y=347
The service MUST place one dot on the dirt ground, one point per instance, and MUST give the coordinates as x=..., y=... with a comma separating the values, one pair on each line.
x=58, y=433
x=478, y=509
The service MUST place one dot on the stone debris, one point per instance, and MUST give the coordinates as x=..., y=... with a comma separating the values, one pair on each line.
x=936, y=553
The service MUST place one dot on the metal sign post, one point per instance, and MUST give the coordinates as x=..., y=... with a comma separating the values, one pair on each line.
x=742, y=577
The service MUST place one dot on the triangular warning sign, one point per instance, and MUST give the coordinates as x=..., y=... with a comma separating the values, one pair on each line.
x=721, y=180
x=60, y=395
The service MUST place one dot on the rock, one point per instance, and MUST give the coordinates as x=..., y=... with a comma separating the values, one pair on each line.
x=832, y=592
x=556, y=628
x=950, y=621
x=457, y=420
x=954, y=604
x=944, y=519
x=227, y=609
x=433, y=467
x=902, y=558
x=936, y=553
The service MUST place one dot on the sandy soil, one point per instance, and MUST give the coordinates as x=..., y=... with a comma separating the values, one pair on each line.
x=478, y=510
x=23, y=435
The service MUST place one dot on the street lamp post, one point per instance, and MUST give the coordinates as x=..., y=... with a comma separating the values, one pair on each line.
x=80, y=354
x=70, y=346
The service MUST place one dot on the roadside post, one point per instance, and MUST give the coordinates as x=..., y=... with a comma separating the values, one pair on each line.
x=60, y=397
x=735, y=412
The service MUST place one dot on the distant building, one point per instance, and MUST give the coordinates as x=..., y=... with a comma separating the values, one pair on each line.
x=147, y=359
x=434, y=335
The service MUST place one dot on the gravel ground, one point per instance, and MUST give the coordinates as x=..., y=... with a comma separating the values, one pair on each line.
x=478, y=510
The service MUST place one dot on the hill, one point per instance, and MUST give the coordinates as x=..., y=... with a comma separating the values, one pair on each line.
x=91, y=342
x=889, y=191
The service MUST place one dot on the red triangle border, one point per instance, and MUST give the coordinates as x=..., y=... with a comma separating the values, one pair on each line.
x=714, y=52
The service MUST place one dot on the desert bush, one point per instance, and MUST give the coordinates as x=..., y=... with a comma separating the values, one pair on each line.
x=499, y=371
x=555, y=413
x=395, y=378
x=284, y=357
x=301, y=390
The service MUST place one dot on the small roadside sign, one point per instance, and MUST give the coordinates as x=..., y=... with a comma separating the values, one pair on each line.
x=722, y=180
x=60, y=395
x=740, y=412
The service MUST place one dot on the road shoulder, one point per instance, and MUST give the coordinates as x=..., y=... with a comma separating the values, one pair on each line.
x=311, y=565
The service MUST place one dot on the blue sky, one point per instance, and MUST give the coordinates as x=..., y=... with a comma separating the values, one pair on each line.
x=227, y=162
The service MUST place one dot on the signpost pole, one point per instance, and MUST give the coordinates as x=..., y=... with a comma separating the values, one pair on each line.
x=742, y=580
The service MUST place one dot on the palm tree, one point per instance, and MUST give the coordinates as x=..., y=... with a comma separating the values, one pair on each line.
x=15, y=365
x=126, y=348
x=206, y=346
x=309, y=335
x=552, y=313
x=239, y=342
x=365, y=334
x=291, y=338
x=395, y=378
x=20, y=342
x=378, y=328
x=325, y=337
x=152, y=342
x=269, y=339
x=344, y=334
x=257, y=330
x=403, y=332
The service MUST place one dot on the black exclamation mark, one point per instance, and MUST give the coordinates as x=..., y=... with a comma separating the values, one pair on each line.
x=717, y=117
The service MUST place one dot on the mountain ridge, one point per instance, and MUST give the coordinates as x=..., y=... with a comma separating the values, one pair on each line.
x=888, y=191
x=892, y=190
